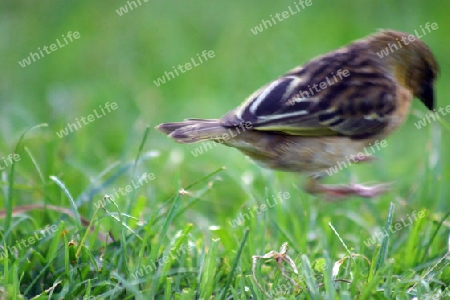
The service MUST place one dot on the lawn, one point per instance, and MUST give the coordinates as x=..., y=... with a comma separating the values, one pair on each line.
x=97, y=204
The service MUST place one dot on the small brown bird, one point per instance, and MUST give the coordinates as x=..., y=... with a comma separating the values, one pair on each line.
x=317, y=115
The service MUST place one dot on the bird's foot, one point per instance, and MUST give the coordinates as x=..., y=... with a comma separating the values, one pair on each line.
x=336, y=192
x=339, y=191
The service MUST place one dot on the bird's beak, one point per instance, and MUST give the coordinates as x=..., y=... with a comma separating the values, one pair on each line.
x=427, y=95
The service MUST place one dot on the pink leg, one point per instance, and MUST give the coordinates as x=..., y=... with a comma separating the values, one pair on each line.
x=336, y=192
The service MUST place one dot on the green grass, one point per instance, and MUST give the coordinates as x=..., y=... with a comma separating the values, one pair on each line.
x=168, y=229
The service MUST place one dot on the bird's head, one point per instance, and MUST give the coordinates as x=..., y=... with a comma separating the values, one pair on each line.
x=415, y=66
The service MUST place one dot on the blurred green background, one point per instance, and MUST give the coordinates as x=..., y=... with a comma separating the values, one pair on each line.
x=117, y=58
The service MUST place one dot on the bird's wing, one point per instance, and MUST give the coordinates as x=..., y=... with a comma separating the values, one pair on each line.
x=329, y=96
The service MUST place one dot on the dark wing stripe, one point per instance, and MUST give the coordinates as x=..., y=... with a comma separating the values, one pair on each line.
x=248, y=116
x=259, y=97
x=365, y=76
x=327, y=116
x=365, y=106
x=296, y=104
x=319, y=74
x=336, y=122
x=272, y=101
x=245, y=112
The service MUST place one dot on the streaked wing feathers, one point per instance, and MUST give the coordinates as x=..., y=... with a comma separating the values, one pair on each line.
x=315, y=101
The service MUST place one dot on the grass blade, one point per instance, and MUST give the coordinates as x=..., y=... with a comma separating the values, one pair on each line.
x=384, y=244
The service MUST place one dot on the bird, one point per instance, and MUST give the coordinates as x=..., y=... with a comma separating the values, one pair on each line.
x=327, y=110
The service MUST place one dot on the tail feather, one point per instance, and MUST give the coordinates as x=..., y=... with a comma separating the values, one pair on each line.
x=193, y=130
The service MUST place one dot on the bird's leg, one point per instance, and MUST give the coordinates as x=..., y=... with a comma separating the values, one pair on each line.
x=335, y=192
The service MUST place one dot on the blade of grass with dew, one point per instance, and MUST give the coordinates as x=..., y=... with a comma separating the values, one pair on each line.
x=144, y=245
x=412, y=250
x=208, y=274
x=384, y=244
x=123, y=240
x=36, y=165
x=5, y=258
x=328, y=277
x=66, y=258
x=133, y=170
x=310, y=280
x=50, y=258
x=86, y=232
x=155, y=249
x=388, y=284
x=201, y=263
x=373, y=263
x=89, y=263
x=428, y=246
x=235, y=263
x=9, y=196
x=370, y=288
x=168, y=289
x=173, y=246
x=69, y=197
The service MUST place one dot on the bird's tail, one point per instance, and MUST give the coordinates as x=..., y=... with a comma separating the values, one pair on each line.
x=193, y=130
